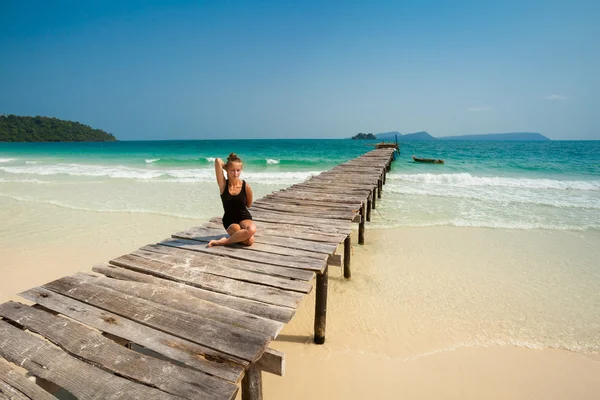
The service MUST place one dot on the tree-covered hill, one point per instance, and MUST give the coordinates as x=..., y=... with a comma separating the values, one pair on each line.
x=14, y=128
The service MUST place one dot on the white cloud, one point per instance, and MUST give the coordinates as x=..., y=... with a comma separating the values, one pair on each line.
x=556, y=97
x=479, y=108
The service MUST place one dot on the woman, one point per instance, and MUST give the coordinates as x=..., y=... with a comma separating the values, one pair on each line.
x=236, y=197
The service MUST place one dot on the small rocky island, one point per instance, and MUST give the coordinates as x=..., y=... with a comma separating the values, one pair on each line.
x=15, y=128
x=364, y=136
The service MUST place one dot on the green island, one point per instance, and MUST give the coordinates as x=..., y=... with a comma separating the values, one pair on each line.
x=15, y=128
x=364, y=136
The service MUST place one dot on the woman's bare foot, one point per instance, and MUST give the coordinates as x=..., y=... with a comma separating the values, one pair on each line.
x=220, y=242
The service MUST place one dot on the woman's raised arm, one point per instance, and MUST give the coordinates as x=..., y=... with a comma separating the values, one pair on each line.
x=219, y=167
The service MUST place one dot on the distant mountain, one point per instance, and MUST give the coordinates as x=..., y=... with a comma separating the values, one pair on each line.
x=391, y=136
x=499, y=136
x=14, y=128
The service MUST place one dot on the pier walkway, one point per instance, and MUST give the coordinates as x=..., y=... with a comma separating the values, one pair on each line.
x=196, y=321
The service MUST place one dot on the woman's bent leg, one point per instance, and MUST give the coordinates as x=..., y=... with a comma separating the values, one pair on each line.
x=245, y=233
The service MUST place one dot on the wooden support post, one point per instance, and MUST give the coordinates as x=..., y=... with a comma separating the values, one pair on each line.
x=321, y=306
x=252, y=383
x=379, y=187
x=347, y=250
x=361, y=225
x=384, y=174
x=369, y=206
x=374, y=201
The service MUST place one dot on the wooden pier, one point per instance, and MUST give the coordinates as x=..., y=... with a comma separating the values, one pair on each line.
x=196, y=321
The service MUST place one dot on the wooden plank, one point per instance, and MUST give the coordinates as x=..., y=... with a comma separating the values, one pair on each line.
x=260, y=246
x=215, y=283
x=323, y=202
x=269, y=311
x=89, y=345
x=302, y=232
x=225, y=338
x=297, y=194
x=222, y=268
x=337, y=226
x=310, y=264
x=10, y=393
x=173, y=255
x=21, y=384
x=196, y=356
x=183, y=302
x=318, y=233
x=272, y=361
x=306, y=203
x=266, y=238
x=81, y=379
x=315, y=212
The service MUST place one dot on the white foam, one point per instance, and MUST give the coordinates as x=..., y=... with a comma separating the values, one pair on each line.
x=210, y=159
x=501, y=195
x=271, y=161
x=152, y=160
x=7, y=160
x=99, y=210
x=31, y=162
x=467, y=180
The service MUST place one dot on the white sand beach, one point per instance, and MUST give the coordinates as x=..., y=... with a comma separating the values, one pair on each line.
x=437, y=312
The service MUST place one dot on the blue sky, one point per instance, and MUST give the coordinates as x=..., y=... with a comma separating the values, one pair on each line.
x=146, y=70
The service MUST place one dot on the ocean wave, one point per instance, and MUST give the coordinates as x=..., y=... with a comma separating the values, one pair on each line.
x=500, y=224
x=210, y=159
x=143, y=174
x=100, y=210
x=467, y=180
x=496, y=195
x=152, y=160
x=271, y=161
x=7, y=160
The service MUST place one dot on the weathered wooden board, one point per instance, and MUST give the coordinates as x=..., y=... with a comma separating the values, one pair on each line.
x=324, y=230
x=21, y=384
x=269, y=311
x=174, y=255
x=220, y=268
x=336, y=226
x=323, y=202
x=319, y=204
x=81, y=379
x=290, y=231
x=183, y=302
x=260, y=246
x=331, y=198
x=266, y=238
x=89, y=345
x=315, y=212
x=333, y=187
x=196, y=356
x=310, y=264
x=194, y=277
x=8, y=392
x=225, y=338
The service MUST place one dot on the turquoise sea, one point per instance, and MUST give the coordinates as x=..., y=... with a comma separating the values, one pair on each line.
x=550, y=185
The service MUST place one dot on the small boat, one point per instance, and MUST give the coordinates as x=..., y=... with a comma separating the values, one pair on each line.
x=428, y=160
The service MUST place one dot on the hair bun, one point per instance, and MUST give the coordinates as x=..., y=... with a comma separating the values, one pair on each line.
x=232, y=157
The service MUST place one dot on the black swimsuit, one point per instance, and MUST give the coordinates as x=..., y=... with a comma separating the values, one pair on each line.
x=234, y=206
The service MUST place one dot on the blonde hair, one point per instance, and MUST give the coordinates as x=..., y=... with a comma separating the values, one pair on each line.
x=233, y=158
